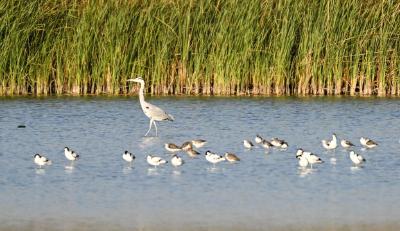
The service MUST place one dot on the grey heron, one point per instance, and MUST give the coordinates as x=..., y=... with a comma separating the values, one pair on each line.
x=153, y=112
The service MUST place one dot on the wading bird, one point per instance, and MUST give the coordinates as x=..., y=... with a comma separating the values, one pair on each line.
x=153, y=112
x=41, y=160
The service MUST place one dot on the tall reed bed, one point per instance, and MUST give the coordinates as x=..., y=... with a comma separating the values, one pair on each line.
x=324, y=47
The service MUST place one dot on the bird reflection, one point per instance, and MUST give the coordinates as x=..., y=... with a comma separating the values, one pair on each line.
x=305, y=171
x=152, y=172
x=40, y=171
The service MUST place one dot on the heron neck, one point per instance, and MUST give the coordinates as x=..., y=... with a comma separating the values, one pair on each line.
x=141, y=93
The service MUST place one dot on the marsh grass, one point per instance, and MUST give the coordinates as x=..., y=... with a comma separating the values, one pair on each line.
x=269, y=47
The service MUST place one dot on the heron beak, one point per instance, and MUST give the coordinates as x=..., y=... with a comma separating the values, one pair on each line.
x=130, y=80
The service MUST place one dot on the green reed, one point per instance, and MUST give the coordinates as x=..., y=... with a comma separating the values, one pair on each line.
x=268, y=47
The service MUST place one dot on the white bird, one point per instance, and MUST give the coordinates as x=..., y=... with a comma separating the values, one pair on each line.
x=330, y=144
x=172, y=147
x=368, y=142
x=176, y=161
x=187, y=146
x=214, y=158
x=231, y=157
x=153, y=112
x=311, y=157
x=356, y=158
x=279, y=143
x=127, y=156
x=346, y=143
x=155, y=160
x=248, y=144
x=258, y=139
x=303, y=162
x=199, y=143
x=70, y=154
x=41, y=160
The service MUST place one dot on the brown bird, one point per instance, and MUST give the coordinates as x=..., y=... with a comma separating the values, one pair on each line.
x=231, y=157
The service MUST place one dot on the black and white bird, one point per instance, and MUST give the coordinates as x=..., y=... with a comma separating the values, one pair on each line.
x=346, y=144
x=41, y=160
x=356, y=158
x=128, y=157
x=368, y=142
x=70, y=154
x=199, y=143
x=248, y=144
x=303, y=162
x=176, y=161
x=172, y=147
x=311, y=157
x=231, y=157
x=266, y=144
x=155, y=160
x=214, y=158
x=153, y=112
x=258, y=139
x=279, y=143
x=330, y=144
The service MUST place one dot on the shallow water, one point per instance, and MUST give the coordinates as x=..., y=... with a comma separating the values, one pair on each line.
x=263, y=190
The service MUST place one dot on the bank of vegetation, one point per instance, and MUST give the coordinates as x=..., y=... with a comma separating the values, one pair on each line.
x=232, y=47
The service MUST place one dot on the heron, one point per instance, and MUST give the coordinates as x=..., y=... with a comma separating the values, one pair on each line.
x=153, y=112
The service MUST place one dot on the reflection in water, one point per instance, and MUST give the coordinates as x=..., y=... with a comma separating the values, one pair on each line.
x=40, y=171
x=176, y=172
x=128, y=169
x=333, y=160
x=303, y=171
x=69, y=168
x=355, y=168
x=152, y=171
x=215, y=169
x=147, y=141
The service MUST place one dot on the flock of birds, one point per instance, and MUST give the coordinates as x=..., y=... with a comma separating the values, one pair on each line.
x=305, y=158
x=155, y=113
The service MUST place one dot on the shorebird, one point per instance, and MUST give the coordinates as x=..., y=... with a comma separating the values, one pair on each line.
x=311, y=157
x=279, y=143
x=258, y=139
x=231, y=157
x=192, y=153
x=213, y=158
x=368, y=142
x=330, y=144
x=176, y=161
x=70, y=154
x=128, y=157
x=172, y=147
x=266, y=144
x=199, y=143
x=356, y=158
x=153, y=112
x=303, y=162
x=187, y=146
x=155, y=160
x=248, y=144
x=346, y=144
x=41, y=160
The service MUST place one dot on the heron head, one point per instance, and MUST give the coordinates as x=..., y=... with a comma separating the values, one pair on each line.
x=137, y=80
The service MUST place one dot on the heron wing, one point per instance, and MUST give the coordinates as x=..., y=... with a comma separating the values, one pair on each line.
x=155, y=112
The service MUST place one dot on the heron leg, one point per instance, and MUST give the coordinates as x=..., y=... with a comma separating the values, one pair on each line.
x=155, y=125
x=151, y=123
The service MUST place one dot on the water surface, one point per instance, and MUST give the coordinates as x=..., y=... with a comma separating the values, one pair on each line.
x=264, y=190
